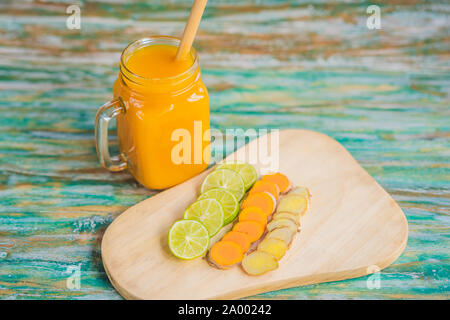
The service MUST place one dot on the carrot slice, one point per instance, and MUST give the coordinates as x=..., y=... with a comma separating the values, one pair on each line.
x=252, y=228
x=269, y=186
x=280, y=180
x=226, y=253
x=263, y=200
x=240, y=238
x=253, y=214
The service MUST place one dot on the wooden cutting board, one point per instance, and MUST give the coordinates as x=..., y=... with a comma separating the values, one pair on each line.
x=352, y=228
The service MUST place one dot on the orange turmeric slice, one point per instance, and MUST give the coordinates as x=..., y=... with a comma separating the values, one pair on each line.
x=280, y=180
x=226, y=253
x=253, y=214
x=240, y=238
x=252, y=228
x=263, y=200
x=268, y=186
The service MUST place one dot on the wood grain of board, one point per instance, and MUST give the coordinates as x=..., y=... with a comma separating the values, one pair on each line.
x=352, y=228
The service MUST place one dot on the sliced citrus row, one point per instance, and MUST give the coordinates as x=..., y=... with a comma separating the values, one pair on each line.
x=226, y=179
x=227, y=184
x=281, y=223
x=188, y=239
x=217, y=205
x=281, y=230
x=207, y=211
x=228, y=200
x=287, y=218
x=245, y=170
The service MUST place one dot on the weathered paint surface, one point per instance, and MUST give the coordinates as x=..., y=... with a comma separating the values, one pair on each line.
x=384, y=94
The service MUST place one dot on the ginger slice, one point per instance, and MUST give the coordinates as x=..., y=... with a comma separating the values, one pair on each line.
x=280, y=180
x=296, y=218
x=283, y=233
x=252, y=228
x=293, y=203
x=226, y=253
x=301, y=191
x=282, y=222
x=266, y=185
x=258, y=263
x=263, y=200
x=277, y=248
x=240, y=238
x=253, y=214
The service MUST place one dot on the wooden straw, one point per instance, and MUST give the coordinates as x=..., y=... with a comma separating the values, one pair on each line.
x=191, y=29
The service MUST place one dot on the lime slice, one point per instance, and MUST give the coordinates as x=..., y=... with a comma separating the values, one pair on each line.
x=247, y=172
x=207, y=211
x=226, y=179
x=229, y=202
x=188, y=239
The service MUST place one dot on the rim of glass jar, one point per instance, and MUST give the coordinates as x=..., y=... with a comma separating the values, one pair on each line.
x=140, y=43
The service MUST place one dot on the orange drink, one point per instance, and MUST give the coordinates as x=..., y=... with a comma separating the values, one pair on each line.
x=162, y=110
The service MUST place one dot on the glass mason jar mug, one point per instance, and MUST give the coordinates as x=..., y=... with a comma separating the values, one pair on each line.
x=162, y=122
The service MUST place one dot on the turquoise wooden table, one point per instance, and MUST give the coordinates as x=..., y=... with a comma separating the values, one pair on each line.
x=383, y=93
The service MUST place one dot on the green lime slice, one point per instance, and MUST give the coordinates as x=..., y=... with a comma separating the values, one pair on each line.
x=226, y=179
x=207, y=211
x=247, y=172
x=228, y=200
x=188, y=239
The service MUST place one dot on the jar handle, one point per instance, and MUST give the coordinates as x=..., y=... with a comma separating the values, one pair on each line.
x=105, y=114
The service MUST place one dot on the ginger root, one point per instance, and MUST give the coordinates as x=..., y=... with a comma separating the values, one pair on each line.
x=282, y=222
x=293, y=203
x=283, y=233
x=258, y=263
x=277, y=248
x=253, y=214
